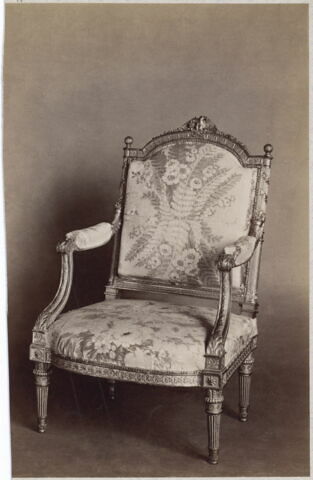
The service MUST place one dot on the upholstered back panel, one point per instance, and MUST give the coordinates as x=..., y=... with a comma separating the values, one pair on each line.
x=184, y=203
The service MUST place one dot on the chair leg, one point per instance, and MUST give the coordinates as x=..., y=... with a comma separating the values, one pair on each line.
x=112, y=389
x=245, y=371
x=213, y=407
x=42, y=373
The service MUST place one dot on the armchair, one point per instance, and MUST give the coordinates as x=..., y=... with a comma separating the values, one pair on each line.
x=189, y=221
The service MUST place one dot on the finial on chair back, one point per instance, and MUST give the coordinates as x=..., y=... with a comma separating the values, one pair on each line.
x=128, y=141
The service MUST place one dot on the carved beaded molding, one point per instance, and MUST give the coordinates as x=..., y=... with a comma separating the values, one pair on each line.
x=200, y=378
x=200, y=129
x=238, y=361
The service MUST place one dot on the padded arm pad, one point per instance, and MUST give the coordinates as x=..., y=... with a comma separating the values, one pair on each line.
x=241, y=250
x=91, y=237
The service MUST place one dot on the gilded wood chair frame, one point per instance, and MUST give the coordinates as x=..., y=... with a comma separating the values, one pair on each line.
x=214, y=375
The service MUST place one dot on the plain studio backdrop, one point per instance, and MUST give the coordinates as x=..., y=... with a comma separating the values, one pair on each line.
x=77, y=80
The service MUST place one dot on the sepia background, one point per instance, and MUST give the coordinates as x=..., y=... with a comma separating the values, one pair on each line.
x=77, y=80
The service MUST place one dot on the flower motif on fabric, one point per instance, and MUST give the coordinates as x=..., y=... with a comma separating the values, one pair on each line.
x=135, y=232
x=147, y=173
x=171, y=177
x=209, y=171
x=137, y=171
x=175, y=172
x=196, y=183
x=191, y=154
x=185, y=265
x=185, y=189
x=132, y=211
x=154, y=261
x=165, y=249
x=144, y=334
x=142, y=173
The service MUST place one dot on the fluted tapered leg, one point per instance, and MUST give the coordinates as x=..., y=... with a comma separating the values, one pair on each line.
x=42, y=381
x=245, y=371
x=213, y=407
x=111, y=389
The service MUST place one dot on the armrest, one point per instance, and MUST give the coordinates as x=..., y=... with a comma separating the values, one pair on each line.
x=87, y=238
x=240, y=251
x=77, y=240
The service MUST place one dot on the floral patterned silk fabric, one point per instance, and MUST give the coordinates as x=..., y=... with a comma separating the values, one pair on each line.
x=144, y=334
x=184, y=204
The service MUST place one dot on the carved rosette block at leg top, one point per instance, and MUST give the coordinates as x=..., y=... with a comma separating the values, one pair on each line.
x=39, y=353
x=42, y=380
x=111, y=384
x=245, y=371
x=213, y=408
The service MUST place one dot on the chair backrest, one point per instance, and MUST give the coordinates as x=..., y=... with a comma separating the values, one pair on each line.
x=185, y=196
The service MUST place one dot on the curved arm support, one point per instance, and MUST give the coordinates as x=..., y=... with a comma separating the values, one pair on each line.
x=220, y=328
x=233, y=255
x=50, y=313
x=215, y=345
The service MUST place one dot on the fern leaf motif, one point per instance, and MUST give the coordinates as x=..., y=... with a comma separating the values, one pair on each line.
x=180, y=193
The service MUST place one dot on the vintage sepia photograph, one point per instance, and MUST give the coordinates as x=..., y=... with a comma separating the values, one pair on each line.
x=156, y=196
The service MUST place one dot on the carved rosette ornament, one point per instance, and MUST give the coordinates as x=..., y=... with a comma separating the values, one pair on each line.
x=39, y=353
x=213, y=381
x=214, y=363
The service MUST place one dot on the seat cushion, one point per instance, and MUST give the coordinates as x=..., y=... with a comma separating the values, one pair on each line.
x=144, y=334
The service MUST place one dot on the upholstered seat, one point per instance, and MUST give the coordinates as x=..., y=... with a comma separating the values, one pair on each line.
x=145, y=334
